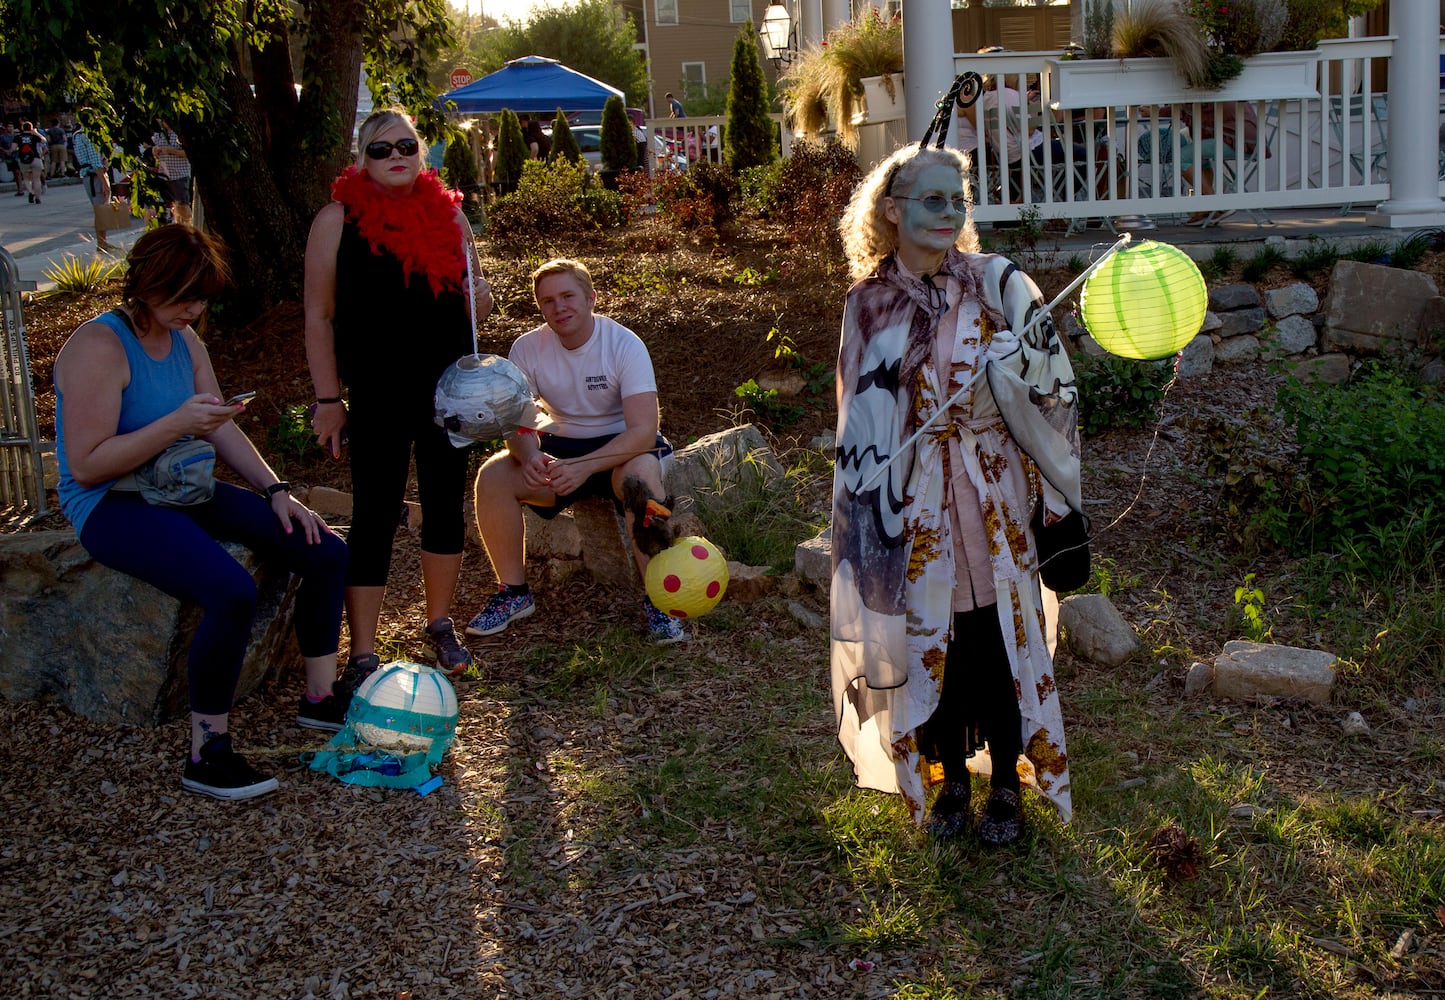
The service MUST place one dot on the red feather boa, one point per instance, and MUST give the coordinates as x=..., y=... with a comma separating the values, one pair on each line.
x=419, y=229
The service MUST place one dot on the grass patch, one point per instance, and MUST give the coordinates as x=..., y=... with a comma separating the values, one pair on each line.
x=760, y=518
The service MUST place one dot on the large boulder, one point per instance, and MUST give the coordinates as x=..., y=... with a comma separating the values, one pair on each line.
x=108, y=646
x=1094, y=629
x=718, y=461
x=1371, y=308
x=1250, y=670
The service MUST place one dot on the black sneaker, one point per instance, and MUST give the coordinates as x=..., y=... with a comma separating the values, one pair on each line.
x=443, y=646
x=222, y=773
x=328, y=714
x=358, y=668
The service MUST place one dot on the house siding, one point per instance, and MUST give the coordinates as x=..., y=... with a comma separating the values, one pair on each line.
x=703, y=34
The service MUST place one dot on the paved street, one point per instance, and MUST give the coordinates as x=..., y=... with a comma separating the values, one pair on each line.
x=37, y=235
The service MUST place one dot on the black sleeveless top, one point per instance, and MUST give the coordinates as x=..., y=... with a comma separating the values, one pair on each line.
x=390, y=330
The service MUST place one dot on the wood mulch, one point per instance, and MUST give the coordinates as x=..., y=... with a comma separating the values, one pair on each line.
x=116, y=884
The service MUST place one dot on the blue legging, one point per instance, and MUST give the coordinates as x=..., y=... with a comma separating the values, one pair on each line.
x=177, y=550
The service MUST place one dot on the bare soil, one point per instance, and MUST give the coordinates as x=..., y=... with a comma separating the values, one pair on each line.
x=115, y=884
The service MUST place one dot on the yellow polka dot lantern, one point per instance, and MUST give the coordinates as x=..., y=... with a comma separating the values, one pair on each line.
x=1147, y=301
x=687, y=579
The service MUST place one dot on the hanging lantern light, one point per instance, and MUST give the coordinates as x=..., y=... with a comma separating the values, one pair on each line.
x=688, y=579
x=1147, y=301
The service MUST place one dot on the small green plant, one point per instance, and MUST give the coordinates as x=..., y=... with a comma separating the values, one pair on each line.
x=643, y=281
x=1258, y=266
x=291, y=437
x=1370, y=252
x=1118, y=392
x=1076, y=264
x=74, y=276
x=766, y=405
x=1223, y=260
x=1249, y=600
x=752, y=278
x=1319, y=256
x=1412, y=250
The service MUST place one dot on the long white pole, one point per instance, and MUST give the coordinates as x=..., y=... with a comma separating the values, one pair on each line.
x=1124, y=238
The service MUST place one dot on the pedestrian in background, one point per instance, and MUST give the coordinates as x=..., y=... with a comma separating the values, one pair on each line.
x=173, y=164
x=58, y=155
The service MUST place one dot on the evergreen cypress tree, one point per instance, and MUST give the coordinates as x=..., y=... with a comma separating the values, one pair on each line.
x=511, y=152
x=459, y=167
x=564, y=143
x=749, y=138
x=619, y=149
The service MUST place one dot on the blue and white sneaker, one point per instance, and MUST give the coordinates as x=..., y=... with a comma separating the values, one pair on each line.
x=501, y=610
x=662, y=629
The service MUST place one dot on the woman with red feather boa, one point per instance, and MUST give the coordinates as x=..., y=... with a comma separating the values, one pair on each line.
x=386, y=313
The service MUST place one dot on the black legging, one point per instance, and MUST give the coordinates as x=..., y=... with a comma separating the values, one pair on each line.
x=384, y=427
x=978, y=702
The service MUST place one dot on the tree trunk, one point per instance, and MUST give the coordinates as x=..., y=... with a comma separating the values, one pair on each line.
x=265, y=170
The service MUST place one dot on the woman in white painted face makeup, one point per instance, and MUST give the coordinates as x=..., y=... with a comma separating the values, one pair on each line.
x=939, y=635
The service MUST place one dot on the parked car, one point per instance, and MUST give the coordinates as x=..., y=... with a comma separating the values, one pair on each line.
x=595, y=117
x=589, y=141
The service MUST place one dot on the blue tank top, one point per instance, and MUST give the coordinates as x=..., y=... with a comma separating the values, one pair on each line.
x=156, y=388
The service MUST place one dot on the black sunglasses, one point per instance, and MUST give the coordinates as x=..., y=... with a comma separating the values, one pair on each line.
x=381, y=150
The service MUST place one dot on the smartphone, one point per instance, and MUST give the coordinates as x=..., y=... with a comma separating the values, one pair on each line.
x=240, y=397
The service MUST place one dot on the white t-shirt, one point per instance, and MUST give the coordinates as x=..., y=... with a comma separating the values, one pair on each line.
x=583, y=390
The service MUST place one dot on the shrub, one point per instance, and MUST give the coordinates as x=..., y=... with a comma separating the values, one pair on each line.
x=75, y=276
x=748, y=138
x=564, y=143
x=700, y=199
x=619, y=148
x=1371, y=455
x=511, y=152
x=1311, y=20
x=814, y=185
x=1118, y=392
x=756, y=185
x=459, y=166
x=554, y=198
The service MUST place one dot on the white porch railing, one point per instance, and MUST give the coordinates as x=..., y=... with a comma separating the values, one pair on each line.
x=677, y=143
x=1132, y=157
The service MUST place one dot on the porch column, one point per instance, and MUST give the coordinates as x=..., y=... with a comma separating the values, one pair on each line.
x=927, y=61
x=835, y=12
x=810, y=23
x=1414, y=127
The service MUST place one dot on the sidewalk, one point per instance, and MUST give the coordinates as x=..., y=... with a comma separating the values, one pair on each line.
x=39, y=235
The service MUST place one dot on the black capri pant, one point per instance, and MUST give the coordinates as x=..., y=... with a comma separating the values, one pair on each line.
x=386, y=426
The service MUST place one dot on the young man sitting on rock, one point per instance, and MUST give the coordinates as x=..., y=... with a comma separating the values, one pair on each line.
x=594, y=378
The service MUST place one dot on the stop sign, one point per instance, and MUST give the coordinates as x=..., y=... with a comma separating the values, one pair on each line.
x=460, y=77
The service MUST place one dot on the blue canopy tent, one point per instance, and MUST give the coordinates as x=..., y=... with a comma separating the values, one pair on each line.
x=533, y=84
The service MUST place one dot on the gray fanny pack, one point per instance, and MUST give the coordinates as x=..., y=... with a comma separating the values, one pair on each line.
x=182, y=475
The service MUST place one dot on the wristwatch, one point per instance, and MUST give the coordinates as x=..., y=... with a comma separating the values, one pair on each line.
x=274, y=488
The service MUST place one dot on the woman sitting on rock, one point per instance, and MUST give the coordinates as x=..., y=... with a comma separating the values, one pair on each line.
x=135, y=395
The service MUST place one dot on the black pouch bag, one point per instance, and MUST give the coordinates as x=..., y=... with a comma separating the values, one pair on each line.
x=1063, y=549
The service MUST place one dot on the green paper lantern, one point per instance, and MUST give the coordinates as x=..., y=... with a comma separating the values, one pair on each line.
x=1147, y=301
